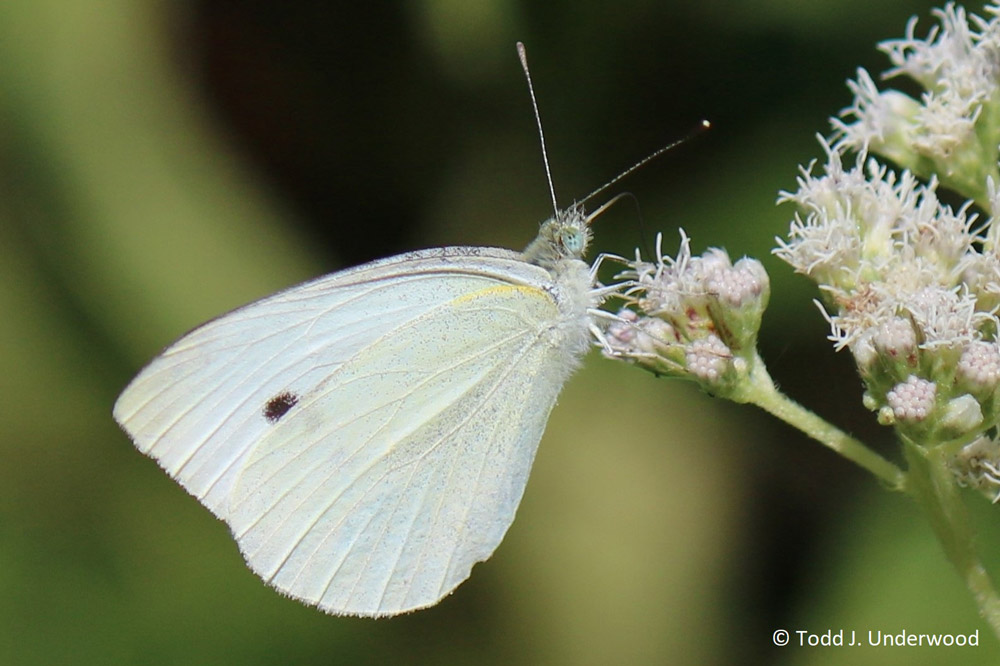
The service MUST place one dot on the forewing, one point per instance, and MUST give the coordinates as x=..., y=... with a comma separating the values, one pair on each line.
x=406, y=465
x=367, y=435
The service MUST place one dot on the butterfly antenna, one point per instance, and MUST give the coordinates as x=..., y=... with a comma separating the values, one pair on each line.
x=704, y=125
x=522, y=54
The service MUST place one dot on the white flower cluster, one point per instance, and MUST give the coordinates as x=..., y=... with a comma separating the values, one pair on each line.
x=865, y=218
x=912, y=400
x=953, y=129
x=884, y=248
x=707, y=358
x=910, y=285
x=979, y=365
x=977, y=466
x=690, y=316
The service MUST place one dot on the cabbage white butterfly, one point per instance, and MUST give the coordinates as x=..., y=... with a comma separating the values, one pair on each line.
x=367, y=436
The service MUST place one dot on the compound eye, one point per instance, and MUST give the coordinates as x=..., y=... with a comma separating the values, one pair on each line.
x=572, y=240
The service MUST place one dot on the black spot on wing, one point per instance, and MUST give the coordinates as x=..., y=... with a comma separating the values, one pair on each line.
x=279, y=405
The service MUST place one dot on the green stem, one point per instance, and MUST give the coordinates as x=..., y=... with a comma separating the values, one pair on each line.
x=928, y=480
x=933, y=486
x=761, y=391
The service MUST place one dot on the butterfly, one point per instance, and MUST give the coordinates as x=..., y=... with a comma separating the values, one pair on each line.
x=367, y=436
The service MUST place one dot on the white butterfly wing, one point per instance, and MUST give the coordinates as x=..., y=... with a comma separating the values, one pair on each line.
x=367, y=435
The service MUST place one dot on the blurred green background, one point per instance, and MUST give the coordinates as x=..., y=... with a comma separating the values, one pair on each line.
x=164, y=162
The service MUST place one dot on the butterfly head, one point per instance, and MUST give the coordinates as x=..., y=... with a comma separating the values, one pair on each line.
x=566, y=235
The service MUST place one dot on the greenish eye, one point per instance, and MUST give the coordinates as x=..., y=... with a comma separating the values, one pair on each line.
x=573, y=240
